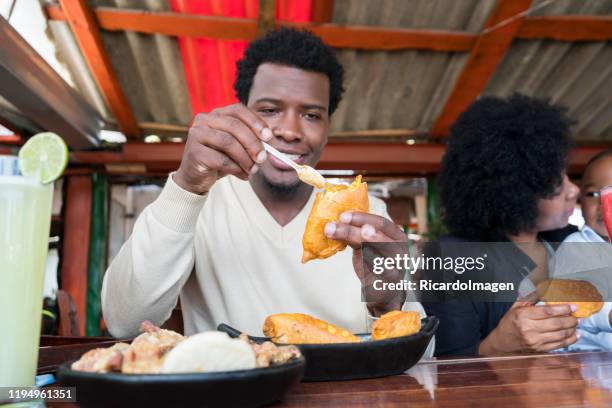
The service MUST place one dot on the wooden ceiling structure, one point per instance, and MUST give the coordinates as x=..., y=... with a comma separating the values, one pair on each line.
x=36, y=90
x=508, y=21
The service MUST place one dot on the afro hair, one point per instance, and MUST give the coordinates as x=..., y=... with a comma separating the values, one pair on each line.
x=295, y=48
x=503, y=155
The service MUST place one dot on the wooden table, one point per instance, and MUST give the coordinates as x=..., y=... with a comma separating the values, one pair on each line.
x=548, y=380
x=551, y=380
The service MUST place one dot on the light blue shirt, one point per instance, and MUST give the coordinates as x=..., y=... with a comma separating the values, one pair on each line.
x=595, y=332
x=586, y=234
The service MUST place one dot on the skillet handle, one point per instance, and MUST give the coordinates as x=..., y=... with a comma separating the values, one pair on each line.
x=234, y=333
x=226, y=328
x=431, y=325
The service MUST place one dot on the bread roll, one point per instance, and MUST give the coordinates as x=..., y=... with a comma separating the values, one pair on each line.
x=327, y=207
x=396, y=324
x=581, y=293
x=297, y=328
x=209, y=352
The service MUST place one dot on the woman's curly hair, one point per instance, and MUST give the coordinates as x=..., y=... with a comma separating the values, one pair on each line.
x=295, y=48
x=503, y=155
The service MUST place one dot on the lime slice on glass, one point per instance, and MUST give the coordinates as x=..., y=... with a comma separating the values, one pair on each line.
x=44, y=156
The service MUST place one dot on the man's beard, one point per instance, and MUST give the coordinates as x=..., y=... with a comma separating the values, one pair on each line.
x=281, y=190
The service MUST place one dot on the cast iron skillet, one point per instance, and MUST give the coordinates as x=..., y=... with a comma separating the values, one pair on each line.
x=366, y=359
x=244, y=388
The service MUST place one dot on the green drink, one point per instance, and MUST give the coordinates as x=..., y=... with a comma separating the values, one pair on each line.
x=25, y=218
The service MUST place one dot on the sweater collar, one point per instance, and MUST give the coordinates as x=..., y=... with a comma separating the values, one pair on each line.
x=261, y=217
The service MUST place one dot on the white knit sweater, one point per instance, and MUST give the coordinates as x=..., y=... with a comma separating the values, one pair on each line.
x=229, y=261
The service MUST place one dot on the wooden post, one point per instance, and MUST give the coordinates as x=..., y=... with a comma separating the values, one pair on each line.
x=267, y=16
x=322, y=11
x=75, y=248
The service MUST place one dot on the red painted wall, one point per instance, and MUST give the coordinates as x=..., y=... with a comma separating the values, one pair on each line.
x=210, y=65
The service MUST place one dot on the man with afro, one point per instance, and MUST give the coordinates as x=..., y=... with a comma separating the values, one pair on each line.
x=225, y=233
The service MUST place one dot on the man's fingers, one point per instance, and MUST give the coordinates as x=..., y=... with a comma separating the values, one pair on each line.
x=241, y=132
x=382, y=224
x=224, y=142
x=257, y=125
x=343, y=232
x=216, y=160
x=354, y=236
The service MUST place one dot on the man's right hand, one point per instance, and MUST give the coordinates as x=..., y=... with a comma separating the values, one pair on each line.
x=224, y=141
x=529, y=328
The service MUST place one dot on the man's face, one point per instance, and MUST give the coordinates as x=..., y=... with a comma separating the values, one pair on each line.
x=295, y=104
x=597, y=176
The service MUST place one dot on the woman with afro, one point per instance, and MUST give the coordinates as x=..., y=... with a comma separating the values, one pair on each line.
x=503, y=179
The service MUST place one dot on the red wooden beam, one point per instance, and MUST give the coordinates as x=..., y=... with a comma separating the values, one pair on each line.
x=383, y=157
x=372, y=157
x=561, y=28
x=83, y=24
x=376, y=158
x=322, y=11
x=355, y=37
x=567, y=28
x=167, y=23
x=580, y=156
x=489, y=50
x=13, y=139
x=75, y=248
x=388, y=39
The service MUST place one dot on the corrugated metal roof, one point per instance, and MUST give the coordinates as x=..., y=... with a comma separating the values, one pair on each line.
x=575, y=75
x=402, y=89
x=398, y=89
x=149, y=68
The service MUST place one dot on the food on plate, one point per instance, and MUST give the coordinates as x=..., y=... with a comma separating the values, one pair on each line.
x=102, y=360
x=327, y=207
x=297, y=328
x=268, y=353
x=581, y=293
x=164, y=351
x=209, y=352
x=396, y=324
x=144, y=355
x=147, y=351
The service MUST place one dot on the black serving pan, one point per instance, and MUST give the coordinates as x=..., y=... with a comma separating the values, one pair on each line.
x=244, y=388
x=366, y=359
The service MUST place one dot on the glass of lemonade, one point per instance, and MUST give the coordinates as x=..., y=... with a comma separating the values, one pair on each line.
x=25, y=218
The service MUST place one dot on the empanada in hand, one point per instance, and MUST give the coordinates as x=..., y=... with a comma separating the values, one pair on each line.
x=327, y=207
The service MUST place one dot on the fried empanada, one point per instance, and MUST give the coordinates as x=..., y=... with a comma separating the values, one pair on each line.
x=396, y=324
x=327, y=207
x=297, y=328
x=581, y=293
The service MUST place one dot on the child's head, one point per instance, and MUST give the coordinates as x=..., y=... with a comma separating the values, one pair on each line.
x=597, y=175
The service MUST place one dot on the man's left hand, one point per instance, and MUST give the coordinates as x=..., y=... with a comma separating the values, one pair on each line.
x=357, y=228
